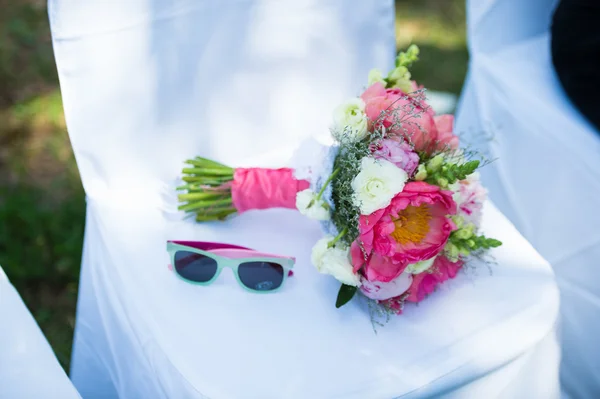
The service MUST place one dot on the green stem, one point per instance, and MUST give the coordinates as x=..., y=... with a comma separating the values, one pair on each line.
x=329, y=179
x=337, y=238
x=212, y=211
x=209, y=218
x=208, y=172
x=200, y=196
x=204, y=162
x=210, y=181
x=208, y=164
x=204, y=204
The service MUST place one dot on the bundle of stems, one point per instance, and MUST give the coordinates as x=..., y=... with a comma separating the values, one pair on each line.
x=207, y=191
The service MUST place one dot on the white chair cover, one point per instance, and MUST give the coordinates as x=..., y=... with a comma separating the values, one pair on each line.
x=28, y=367
x=148, y=84
x=546, y=178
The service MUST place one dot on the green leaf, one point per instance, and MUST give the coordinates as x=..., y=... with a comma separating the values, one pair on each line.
x=345, y=295
x=493, y=243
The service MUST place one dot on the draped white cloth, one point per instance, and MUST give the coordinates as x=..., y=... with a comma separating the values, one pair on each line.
x=148, y=84
x=28, y=367
x=546, y=176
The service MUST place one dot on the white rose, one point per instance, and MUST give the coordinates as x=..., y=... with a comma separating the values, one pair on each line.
x=318, y=252
x=375, y=76
x=376, y=184
x=308, y=205
x=381, y=291
x=351, y=120
x=419, y=267
x=336, y=262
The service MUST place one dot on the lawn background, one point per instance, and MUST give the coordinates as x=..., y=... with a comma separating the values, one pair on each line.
x=42, y=203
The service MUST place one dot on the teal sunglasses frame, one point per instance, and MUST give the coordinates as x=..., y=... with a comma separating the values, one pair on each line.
x=233, y=256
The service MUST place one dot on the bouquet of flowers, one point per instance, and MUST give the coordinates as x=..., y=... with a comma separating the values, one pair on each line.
x=399, y=200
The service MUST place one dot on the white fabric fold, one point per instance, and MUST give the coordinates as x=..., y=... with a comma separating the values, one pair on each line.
x=546, y=173
x=28, y=367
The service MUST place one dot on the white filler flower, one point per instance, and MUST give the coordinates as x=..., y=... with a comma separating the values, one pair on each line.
x=318, y=252
x=308, y=205
x=334, y=261
x=350, y=120
x=376, y=184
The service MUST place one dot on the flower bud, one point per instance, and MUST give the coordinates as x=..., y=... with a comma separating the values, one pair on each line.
x=375, y=76
x=452, y=251
x=435, y=163
x=413, y=50
x=421, y=173
x=399, y=73
x=463, y=234
x=442, y=182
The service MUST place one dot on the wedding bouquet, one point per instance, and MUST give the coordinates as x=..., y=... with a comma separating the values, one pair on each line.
x=399, y=200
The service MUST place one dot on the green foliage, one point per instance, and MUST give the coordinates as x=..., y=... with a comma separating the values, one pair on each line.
x=444, y=173
x=345, y=294
x=348, y=163
x=464, y=241
x=408, y=57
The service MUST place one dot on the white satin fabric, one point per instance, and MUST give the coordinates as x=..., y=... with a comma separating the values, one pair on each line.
x=546, y=176
x=147, y=84
x=28, y=367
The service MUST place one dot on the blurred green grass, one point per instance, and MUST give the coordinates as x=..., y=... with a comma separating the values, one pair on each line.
x=42, y=203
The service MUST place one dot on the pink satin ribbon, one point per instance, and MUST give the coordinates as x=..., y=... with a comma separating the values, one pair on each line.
x=256, y=188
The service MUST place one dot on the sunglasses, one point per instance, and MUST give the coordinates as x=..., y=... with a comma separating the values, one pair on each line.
x=201, y=263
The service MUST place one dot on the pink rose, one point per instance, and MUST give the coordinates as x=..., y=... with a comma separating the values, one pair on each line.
x=446, y=138
x=393, y=108
x=398, y=153
x=414, y=227
x=425, y=283
x=381, y=291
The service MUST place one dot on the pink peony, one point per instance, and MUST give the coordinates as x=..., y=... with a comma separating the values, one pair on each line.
x=414, y=227
x=392, y=108
x=446, y=138
x=469, y=198
x=397, y=152
x=381, y=291
x=424, y=283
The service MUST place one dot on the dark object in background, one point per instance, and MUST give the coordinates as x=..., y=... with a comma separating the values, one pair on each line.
x=576, y=54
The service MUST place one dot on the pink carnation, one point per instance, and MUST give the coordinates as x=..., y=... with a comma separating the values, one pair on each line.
x=380, y=291
x=425, y=283
x=414, y=227
x=397, y=152
x=470, y=197
x=392, y=109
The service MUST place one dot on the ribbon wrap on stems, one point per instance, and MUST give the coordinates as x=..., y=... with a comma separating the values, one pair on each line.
x=257, y=188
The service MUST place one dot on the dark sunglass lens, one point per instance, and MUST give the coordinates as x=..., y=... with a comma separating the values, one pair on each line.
x=195, y=267
x=261, y=276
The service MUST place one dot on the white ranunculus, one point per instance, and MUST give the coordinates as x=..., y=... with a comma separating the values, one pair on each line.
x=350, y=119
x=375, y=76
x=318, y=252
x=376, y=184
x=336, y=262
x=381, y=291
x=308, y=205
x=419, y=267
